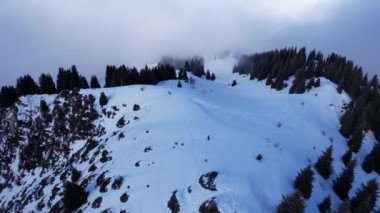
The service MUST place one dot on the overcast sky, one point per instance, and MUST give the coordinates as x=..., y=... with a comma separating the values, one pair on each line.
x=42, y=35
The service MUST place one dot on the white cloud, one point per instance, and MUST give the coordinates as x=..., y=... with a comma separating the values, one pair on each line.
x=93, y=33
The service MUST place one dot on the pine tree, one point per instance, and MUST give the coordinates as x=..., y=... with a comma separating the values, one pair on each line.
x=94, y=82
x=345, y=207
x=63, y=80
x=269, y=81
x=103, y=100
x=110, y=71
x=74, y=197
x=366, y=197
x=346, y=158
x=179, y=85
x=44, y=108
x=375, y=82
x=292, y=203
x=208, y=75
x=343, y=184
x=74, y=78
x=317, y=83
x=173, y=204
x=348, y=122
x=8, y=96
x=185, y=77
x=325, y=205
x=233, y=83
x=47, y=85
x=26, y=86
x=278, y=83
x=83, y=84
x=355, y=142
x=376, y=158
x=372, y=160
x=304, y=182
x=298, y=86
x=180, y=74
x=324, y=162
x=368, y=163
x=310, y=71
x=310, y=84
x=213, y=77
x=319, y=70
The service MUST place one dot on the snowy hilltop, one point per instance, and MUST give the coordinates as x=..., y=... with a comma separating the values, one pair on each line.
x=230, y=144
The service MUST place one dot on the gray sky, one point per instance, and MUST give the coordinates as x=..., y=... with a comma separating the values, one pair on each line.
x=42, y=35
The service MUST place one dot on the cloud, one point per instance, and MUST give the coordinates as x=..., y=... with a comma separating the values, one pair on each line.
x=42, y=35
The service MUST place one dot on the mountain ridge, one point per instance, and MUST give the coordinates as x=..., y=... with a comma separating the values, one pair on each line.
x=178, y=136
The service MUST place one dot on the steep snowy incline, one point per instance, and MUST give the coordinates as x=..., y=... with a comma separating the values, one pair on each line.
x=180, y=134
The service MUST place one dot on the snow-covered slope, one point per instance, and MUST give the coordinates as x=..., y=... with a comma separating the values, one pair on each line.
x=180, y=134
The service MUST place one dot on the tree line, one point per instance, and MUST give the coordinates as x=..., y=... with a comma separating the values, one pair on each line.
x=122, y=76
x=278, y=66
x=69, y=79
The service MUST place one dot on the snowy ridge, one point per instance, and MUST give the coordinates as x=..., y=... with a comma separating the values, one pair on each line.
x=180, y=134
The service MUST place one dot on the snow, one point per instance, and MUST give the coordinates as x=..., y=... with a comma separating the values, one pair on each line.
x=289, y=131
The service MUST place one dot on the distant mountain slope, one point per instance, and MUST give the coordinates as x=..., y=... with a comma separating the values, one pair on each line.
x=155, y=147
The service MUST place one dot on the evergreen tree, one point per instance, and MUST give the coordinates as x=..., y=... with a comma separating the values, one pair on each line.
x=180, y=74
x=26, y=86
x=343, y=184
x=373, y=111
x=355, y=142
x=324, y=162
x=213, y=77
x=319, y=70
x=233, y=83
x=185, y=77
x=375, y=82
x=110, y=72
x=44, y=108
x=63, y=80
x=8, y=96
x=179, y=85
x=346, y=158
x=74, y=78
x=187, y=66
x=310, y=71
x=372, y=160
x=310, y=84
x=74, y=197
x=311, y=57
x=300, y=83
x=173, y=204
x=345, y=207
x=269, y=81
x=376, y=158
x=103, y=100
x=365, y=198
x=47, y=85
x=83, y=84
x=325, y=205
x=340, y=86
x=292, y=203
x=304, y=182
x=348, y=122
x=94, y=82
x=278, y=83
x=317, y=83
x=208, y=75
x=368, y=163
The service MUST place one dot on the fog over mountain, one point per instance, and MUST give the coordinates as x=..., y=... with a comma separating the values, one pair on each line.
x=41, y=36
